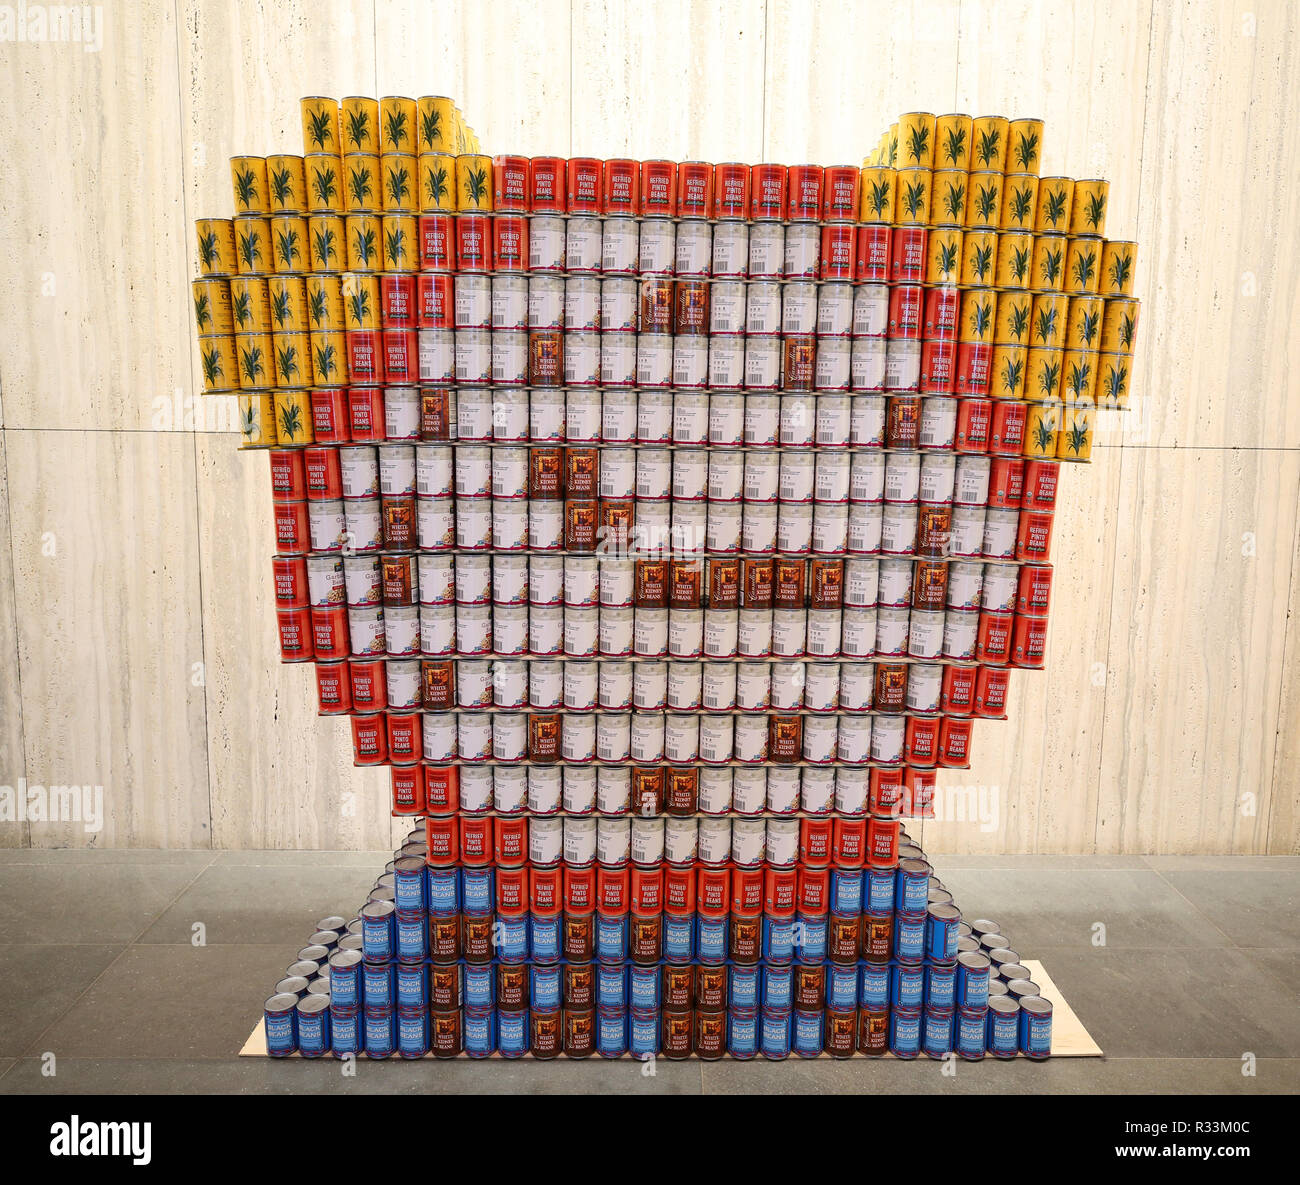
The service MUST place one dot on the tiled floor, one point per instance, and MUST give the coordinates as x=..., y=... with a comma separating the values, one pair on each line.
x=103, y=988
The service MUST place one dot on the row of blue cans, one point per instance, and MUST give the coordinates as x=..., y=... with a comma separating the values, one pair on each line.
x=442, y=891
x=775, y=1033
x=684, y=938
x=966, y=983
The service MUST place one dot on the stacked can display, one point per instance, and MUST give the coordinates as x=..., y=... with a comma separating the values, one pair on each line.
x=672, y=960
x=663, y=527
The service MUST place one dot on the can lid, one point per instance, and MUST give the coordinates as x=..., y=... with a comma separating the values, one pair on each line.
x=314, y=953
x=410, y=864
x=345, y=959
x=997, y=988
x=944, y=913
x=913, y=867
x=993, y=942
x=314, y=1003
x=973, y=962
x=281, y=1002
x=306, y=968
x=1010, y=971
x=1002, y=954
x=325, y=938
x=966, y=943
x=983, y=926
x=351, y=942
x=1006, y=1005
x=377, y=910
x=293, y=985
x=1022, y=988
x=1036, y=1005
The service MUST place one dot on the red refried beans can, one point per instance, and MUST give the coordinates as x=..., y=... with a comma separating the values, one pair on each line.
x=767, y=190
x=510, y=184
x=547, y=185
x=622, y=186
x=730, y=190
x=659, y=188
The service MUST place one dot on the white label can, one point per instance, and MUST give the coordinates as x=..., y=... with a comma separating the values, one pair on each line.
x=545, y=302
x=798, y=309
x=650, y=686
x=727, y=308
x=965, y=585
x=583, y=244
x=854, y=739
x=749, y=791
x=581, y=303
x=613, y=842
x=960, y=629
x=858, y=632
x=578, y=737
x=767, y=250
x=714, y=841
x=731, y=249
x=753, y=683
x=685, y=680
x=925, y=633
x=579, y=836
x=694, y=247
x=618, y=359
x=681, y=840
x=867, y=364
x=618, y=305
x=545, y=243
x=867, y=423
x=613, y=736
x=715, y=791
x=870, y=310
x=658, y=246
x=619, y=245
x=579, y=798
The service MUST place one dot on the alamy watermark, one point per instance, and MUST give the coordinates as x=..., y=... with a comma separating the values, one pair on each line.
x=30, y=803
x=81, y=24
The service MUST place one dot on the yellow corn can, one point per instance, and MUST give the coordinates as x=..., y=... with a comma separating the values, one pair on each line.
x=257, y=420
x=398, y=191
x=220, y=361
x=977, y=309
x=1088, y=208
x=1082, y=265
x=360, y=126
x=288, y=304
x=1044, y=369
x=913, y=200
x=326, y=242
x=286, y=184
x=1019, y=196
x=438, y=123
x=879, y=190
x=989, y=143
x=1118, y=259
x=216, y=242
x=1047, y=268
x=401, y=243
x=1015, y=253
x=329, y=359
x=253, y=246
x=1052, y=210
x=1113, y=373
x=361, y=300
x=293, y=418
x=325, y=303
x=984, y=200
x=1119, y=325
x=943, y=256
x=952, y=140
x=1007, y=372
x=1083, y=323
x=292, y=359
x=474, y=183
x=212, y=312
x=437, y=183
x=948, y=201
x=250, y=304
x=1024, y=145
x=289, y=248
x=916, y=140
x=361, y=182
x=1047, y=321
x=364, y=243
x=1079, y=376
x=1011, y=324
x=979, y=251
x=1042, y=425
x=324, y=183
x=320, y=125
x=248, y=181
x=1074, y=442
x=396, y=125
x=254, y=359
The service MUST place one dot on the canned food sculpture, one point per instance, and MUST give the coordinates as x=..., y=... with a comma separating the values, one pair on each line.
x=664, y=528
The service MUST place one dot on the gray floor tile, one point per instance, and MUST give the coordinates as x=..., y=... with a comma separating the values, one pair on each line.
x=396, y=1077
x=258, y=903
x=39, y=983
x=85, y=902
x=1179, y=1003
x=1223, y=863
x=270, y=858
x=1040, y=909
x=170, y=1002
x=1254, y=907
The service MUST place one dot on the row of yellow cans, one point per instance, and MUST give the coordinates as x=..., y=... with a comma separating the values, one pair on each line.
x=271, y=418
x=1040, y=263
x=392, y=125
x=323, y=183
x=1047, y=320
x=289, y=244
x=983, y=200
x=921, y=140
x=283, y=304
x=252, y=361
x=1081, y=377
x=1060, y=431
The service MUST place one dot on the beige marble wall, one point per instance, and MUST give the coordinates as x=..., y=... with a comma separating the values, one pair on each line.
x=136, y=636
